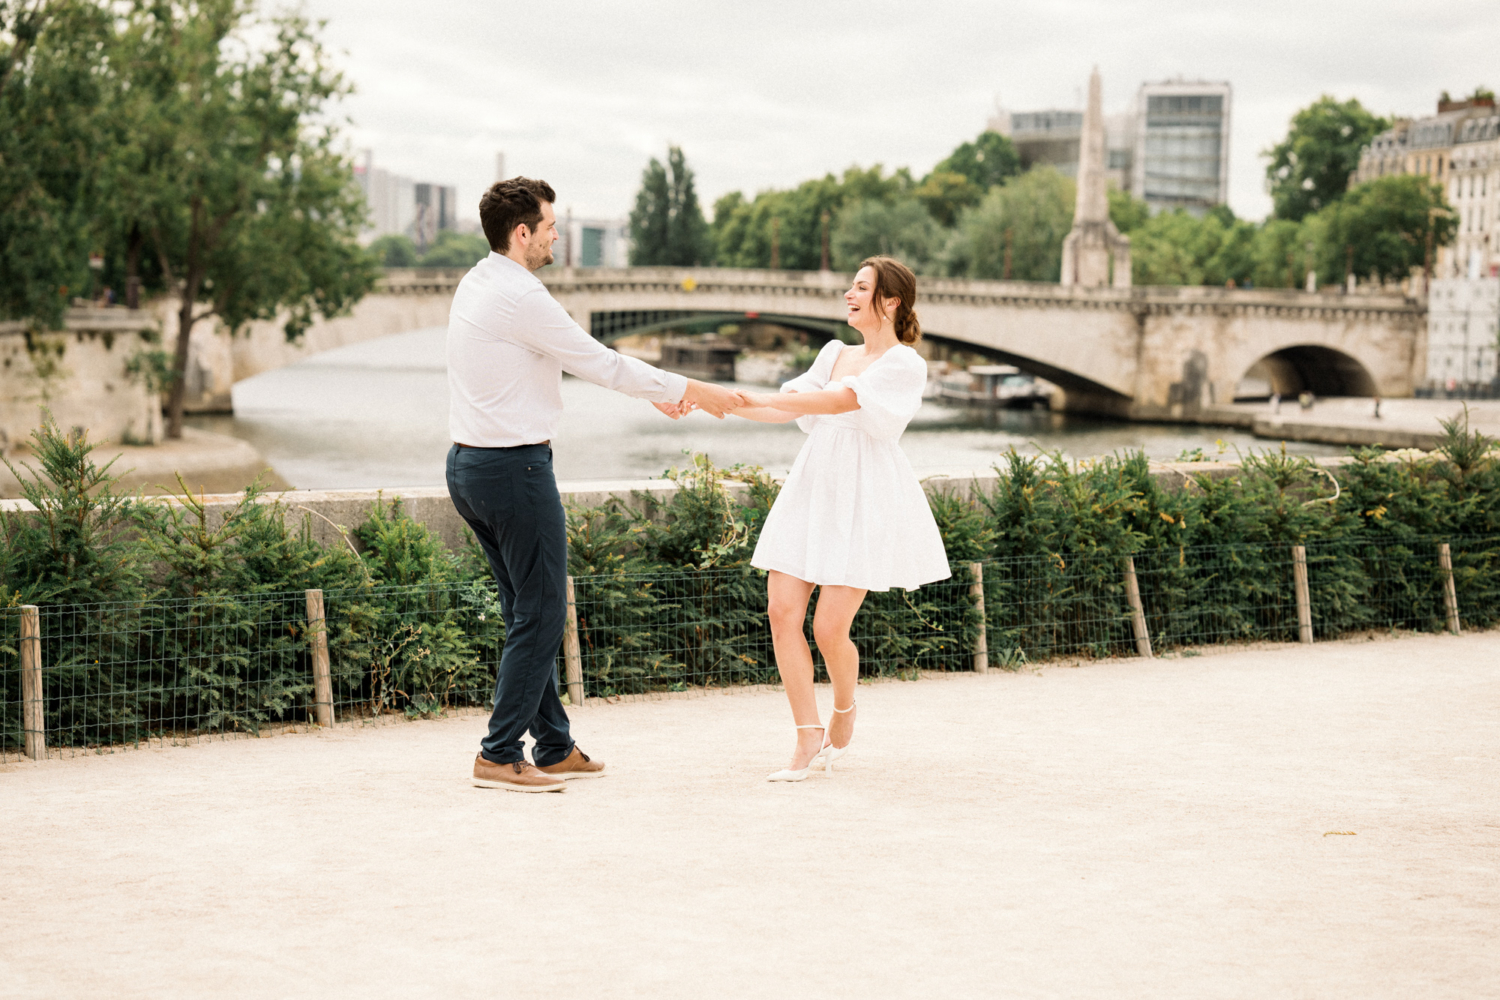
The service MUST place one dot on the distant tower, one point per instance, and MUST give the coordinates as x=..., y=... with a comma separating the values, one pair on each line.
x=500, y=167
x=1087, y=249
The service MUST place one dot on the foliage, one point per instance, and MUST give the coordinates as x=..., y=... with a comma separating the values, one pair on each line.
x=1176, y=248
x=1126, y=211
x=227, y=160
x=989, y=160
x=1385, y=223
x=902, y=229
x=52, y=106
x=168, y=617
x=1311, y=167
x=78, y=548
x=792, y=222
x=965, y=175
x=394, y=250
x=667, y=226
x=1036, y=209
x=191, y=143
x=449, y=249
x=455, y=249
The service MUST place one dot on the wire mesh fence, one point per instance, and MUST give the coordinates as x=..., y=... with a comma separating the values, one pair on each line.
x=107, y=675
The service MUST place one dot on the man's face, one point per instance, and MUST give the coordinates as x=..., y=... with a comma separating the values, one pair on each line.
x=539, y=248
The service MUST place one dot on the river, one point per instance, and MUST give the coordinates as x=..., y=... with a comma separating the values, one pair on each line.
x=376, y=415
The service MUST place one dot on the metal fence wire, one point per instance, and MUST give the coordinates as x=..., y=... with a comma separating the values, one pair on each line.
x=107, y=675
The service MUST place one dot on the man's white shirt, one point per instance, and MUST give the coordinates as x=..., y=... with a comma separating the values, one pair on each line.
x=509, y=341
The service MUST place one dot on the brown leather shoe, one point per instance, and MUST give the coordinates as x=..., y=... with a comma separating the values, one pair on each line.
x=517, y=777
x=576, y=764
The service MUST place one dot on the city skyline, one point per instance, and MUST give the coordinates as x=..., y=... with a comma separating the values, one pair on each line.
x=440, y=90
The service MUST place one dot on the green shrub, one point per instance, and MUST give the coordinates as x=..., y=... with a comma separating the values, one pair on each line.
x=165, y=617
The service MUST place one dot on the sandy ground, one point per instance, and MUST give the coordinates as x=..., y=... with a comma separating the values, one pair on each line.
x=1123, y=829
x=209, y=463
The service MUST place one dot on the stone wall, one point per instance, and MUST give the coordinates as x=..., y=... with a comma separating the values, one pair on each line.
x=79, y=375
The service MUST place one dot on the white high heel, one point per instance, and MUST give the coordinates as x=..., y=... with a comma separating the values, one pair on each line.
x=787, y=774
x=832, y=753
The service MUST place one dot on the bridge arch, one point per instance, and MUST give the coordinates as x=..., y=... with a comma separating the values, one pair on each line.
x=1323, y=371
x=610, y=325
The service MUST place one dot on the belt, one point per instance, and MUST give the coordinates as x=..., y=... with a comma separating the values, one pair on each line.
x=474, y=447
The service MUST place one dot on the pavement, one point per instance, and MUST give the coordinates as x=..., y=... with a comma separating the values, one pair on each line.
x=1280, y=821
x=1403, y=423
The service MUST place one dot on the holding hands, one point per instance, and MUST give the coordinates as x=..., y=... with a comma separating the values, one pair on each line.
x=705, y=396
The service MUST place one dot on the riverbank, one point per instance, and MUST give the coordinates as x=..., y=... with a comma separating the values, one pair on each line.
x=1351, y=421
x=208, y=462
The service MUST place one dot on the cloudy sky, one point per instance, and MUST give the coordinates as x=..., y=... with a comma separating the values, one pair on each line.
x=767, y=94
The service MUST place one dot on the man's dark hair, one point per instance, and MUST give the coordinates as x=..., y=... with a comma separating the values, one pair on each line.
x=508, y=204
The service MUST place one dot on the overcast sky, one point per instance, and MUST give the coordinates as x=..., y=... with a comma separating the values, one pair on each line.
x=767, y=94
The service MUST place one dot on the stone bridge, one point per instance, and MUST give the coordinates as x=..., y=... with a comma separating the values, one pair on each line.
x=1154, y=352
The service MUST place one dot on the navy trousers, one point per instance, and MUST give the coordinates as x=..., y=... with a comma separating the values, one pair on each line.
x=509, y=497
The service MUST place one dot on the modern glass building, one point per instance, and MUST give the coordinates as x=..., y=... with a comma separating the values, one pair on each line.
x=1182, y=145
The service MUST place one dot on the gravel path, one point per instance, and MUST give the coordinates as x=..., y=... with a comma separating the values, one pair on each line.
x=1122, y=829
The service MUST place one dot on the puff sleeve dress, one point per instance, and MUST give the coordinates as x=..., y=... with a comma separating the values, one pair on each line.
x=851, y=512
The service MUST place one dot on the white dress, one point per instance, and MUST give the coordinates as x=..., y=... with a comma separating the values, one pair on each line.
x=852, y=513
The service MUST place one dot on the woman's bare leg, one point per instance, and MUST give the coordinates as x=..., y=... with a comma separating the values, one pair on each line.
x=837, y=607
x=786, y=606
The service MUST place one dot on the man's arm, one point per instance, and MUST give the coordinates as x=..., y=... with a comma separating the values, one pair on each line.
x=544, y=326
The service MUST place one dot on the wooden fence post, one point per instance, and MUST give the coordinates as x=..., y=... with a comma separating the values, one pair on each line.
x=981, y=644
x=1450, y=592
x=33, y=716
x=1137, y=610
x=1304, y=598
x=572, y=656
x=317, y=635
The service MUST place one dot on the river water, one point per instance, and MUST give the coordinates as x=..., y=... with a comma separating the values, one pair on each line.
x=376, y=415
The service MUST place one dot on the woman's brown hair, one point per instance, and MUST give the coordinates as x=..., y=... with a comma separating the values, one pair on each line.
x=894, y=280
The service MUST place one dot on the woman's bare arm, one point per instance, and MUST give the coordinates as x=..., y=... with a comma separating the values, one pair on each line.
x=824, y=401
x=765, y=414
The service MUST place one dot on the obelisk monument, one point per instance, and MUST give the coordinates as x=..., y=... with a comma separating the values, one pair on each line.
x=1094, y=239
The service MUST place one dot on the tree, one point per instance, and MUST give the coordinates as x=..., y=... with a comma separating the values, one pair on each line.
x=1310, y=168
x=1030, y=215
x=946, y=193
x=1379, y=229
x=786, y=226
x=455, y=249
x=963, y=177
x=51, y=104
x=1126, y=211
x=902, y=229
x=396, y=250
x=667, y=227
x=989, y=160
x=228, y=162
x=744, y=232
x=1177, y=248
x=1279, y=254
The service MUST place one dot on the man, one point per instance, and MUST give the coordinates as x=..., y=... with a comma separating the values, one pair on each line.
x=508, y=344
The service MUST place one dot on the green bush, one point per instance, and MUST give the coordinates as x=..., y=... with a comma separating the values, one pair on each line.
x=165, y=617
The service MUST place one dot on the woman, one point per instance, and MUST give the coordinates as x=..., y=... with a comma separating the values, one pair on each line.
x=851, y=517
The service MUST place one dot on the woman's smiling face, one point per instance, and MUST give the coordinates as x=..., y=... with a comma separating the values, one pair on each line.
x=860, y=301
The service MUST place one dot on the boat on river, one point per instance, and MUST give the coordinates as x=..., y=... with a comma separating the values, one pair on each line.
x=994, y=385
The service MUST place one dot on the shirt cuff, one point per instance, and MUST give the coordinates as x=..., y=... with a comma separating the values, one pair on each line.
x=674, y=387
